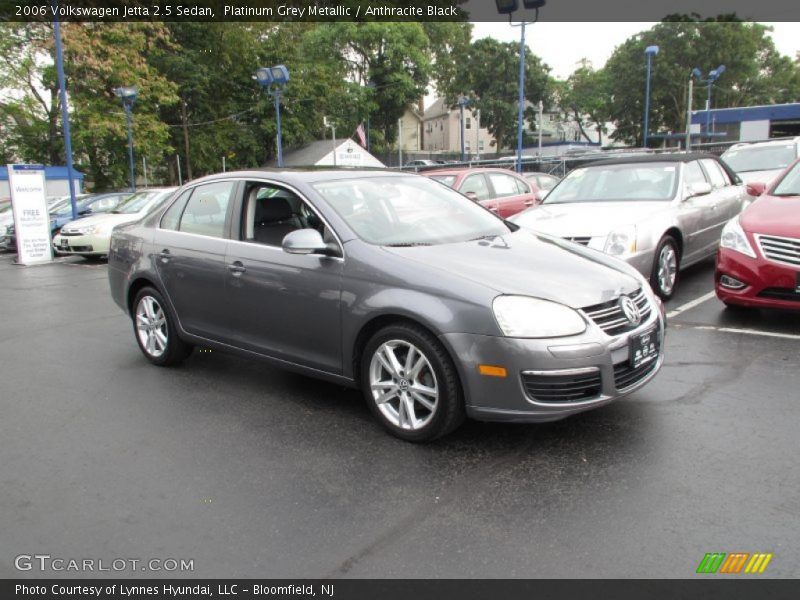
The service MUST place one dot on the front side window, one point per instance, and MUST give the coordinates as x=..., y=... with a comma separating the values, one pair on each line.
x=693, y=173
x=715, y=174
x=477, y=185
x=271, y=212
x=790, y=184
x=206, y=209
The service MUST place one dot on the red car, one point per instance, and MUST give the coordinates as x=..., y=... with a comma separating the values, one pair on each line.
x=758, y=261
x=500, y=190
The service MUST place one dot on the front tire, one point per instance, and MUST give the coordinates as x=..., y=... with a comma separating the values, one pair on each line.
x=411, y=384
x=664, y=276
x=154, y=329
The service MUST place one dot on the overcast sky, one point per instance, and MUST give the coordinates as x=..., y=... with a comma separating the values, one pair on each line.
x=562, y=45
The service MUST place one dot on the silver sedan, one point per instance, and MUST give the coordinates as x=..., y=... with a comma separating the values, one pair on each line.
x=659, y=213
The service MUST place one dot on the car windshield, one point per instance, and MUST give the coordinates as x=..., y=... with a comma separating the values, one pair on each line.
x=135, y=203
x=790, y=184
x=408, y=211
x=760, y=158
x=448, y=180
x=617, y=183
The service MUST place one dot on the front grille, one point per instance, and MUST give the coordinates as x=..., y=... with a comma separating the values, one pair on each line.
x=776, y=293
x=583, y=241
x=563, y=387
x=610, y=318
x=625, y=376
x=780, y=249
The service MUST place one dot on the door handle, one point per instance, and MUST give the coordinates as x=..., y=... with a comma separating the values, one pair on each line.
x=237, y=268
x=164, y=255
x=529, y=202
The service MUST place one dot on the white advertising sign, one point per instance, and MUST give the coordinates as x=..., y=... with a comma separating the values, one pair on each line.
x=31, y=220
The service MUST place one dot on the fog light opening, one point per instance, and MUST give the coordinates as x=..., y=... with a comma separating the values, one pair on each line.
x=731, y=283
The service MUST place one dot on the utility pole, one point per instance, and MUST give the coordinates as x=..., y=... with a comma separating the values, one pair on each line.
x=186, y=140
x=399, y=142
x=541, y=108
x=478, y=134
x=180, y=177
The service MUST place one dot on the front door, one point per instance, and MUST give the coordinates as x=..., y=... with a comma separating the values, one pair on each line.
x=286, y=306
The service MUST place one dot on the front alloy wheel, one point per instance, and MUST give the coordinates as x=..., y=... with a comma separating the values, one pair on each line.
x=665, y=268
x=410, y=383
x=403, y=385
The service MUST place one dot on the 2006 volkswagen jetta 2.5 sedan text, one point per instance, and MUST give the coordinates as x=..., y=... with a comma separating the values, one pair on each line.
x=391, y=282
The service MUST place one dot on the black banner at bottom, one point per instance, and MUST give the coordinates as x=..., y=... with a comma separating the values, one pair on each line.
x=402, y=589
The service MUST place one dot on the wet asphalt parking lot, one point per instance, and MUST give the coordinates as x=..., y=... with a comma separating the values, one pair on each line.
x=254, y=472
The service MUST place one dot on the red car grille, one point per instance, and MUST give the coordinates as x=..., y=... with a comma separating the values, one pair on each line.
x=780, y=249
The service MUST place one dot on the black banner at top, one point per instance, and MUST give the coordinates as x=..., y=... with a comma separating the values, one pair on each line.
x=388, y=10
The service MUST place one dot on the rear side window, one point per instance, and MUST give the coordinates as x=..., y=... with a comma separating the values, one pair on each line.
x=206, y=209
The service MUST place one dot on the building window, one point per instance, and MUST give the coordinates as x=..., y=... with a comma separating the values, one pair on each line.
x=468, y=123
x=480, y=144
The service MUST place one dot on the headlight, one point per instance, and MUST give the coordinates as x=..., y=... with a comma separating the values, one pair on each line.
x=734, y=238
x=621, y=241
x=525, y=317
x=92, y=229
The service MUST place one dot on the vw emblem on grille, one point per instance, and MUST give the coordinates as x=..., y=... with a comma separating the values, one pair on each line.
x=630, y=310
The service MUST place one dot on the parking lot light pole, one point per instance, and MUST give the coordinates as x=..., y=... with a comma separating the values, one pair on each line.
x=650, y=52
x=274, y=80
x=709, y=82
x=62, y=88
x=128, y=94
x=508, y=7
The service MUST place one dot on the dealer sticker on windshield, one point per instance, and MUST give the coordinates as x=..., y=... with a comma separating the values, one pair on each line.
x=643, y=348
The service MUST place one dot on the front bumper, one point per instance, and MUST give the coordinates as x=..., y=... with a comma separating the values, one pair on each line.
x=767, y=284
x=596, y=363
x=81, y=245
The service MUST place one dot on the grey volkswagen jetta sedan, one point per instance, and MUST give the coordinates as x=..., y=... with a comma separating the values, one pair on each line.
x=393, y=283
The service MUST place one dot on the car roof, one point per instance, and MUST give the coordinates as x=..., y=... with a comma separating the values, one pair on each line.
x=675, y=157
x=466, y=170
x=305, y=175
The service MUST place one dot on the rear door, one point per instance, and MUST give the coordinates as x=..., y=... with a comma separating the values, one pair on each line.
x=190, y=245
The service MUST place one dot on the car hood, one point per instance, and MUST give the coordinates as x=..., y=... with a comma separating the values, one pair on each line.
x=586, y=218
x=765, y=177
x=110, y=219
x=773, y=216
x=529, y=264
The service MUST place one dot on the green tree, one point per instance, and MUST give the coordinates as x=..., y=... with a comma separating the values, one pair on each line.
x=394, y=56
x=755, y=73
x=494, y=86
x=584, y=97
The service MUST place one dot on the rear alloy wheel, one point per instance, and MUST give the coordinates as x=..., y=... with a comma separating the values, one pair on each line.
x=154, y=329
x=411, y=384
x=664, y=277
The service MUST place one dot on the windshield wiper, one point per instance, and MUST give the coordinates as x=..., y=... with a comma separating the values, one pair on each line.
x=408, y=244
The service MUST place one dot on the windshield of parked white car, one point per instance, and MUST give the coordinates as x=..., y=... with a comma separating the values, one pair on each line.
x=617, y=183
x=790, y=184
x=135, y=203
x=408, y=211
x=760, y=158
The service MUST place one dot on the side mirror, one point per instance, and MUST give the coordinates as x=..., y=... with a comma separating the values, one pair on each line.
x=698, y=188
x=756, y=188
x=472, y=196
x=304, y=241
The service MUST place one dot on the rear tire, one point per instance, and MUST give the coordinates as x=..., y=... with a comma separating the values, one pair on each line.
x=154, y=329
x=411, y=384
x=666, y=266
